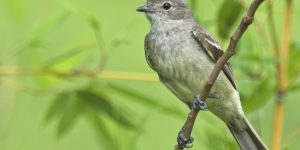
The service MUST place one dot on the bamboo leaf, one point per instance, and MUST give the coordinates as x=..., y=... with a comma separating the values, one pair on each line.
x=65, y=56
x=106, y=139
x=70, y=115
x=57, y=107
x=295, y=86
x=216, y=141
x=293, y=61
x=146, y=100
x=102, y=104
x=260, y=95
x=228, y=15
x=49, y=24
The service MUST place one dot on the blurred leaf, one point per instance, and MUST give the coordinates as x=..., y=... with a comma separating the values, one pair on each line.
x=57, y=106
x=260, y=95
x=48, y=24
x=94, y=23
x=195, y=5
x=293, y=61
x=102, y=103
x=70, y=115
x=72, y=7
x=215, y=140
x=35, y=43
x=66, y=108
x=227, y=16
x=294, y=86
x=63, y=57
x=108, y=141
x=145, y=100
x=286, y=147
x=132, y=144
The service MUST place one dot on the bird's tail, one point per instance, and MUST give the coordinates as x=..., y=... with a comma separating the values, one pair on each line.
x=247, y=139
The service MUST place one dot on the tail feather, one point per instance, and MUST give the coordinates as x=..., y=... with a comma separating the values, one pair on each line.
x=247, y=139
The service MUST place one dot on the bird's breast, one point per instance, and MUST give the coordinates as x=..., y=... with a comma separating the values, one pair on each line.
x=176, y=55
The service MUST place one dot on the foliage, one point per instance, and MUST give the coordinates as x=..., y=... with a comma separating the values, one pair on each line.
x=80, y=39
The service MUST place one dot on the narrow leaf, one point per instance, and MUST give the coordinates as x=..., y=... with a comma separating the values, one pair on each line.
x=69, y=116
x=106, y=139
x=227, y=16
x=48, y=25
x=65, y=56
x=102, y=103
x=57, y=107
x=293, y=61
x=146, y=100
x=260, y=95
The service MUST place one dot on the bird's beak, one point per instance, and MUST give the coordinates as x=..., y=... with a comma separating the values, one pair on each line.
x=144, y=8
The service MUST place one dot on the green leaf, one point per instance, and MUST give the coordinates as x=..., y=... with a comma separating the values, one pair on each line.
x=65, y=56
x=108, y=141
x=260, y=95
x=57, y=107
x=294, y=86
x=66, y=108
x=227, y=16
x=103, y=104
x=294, y=62
x=70, y=115
x=215, y=140
x=48, y=25
x=94, y=23
x=146, y=100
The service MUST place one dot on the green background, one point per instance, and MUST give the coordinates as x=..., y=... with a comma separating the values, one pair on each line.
x=66, y=35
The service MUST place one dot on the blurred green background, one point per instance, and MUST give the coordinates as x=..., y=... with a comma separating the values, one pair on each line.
x=50, y=99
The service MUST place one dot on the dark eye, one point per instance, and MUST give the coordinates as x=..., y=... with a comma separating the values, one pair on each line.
x=167, y=6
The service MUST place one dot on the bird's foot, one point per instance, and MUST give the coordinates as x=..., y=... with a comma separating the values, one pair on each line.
x=199, y=104
x=184, y=142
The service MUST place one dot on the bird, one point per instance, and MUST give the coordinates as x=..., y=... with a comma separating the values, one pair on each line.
x=183, y=54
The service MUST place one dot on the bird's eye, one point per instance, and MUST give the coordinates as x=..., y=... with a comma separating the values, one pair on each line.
x=167, y=6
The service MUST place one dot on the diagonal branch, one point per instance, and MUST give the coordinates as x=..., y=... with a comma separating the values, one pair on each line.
x=231, y=50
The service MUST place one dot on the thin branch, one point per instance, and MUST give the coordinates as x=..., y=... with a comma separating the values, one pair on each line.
x=282, y=77
x=245, y=22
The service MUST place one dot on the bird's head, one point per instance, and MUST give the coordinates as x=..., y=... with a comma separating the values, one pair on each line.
x=165, y=11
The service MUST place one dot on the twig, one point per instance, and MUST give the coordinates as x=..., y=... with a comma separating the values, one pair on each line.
x=282, y=78
x=245, y=22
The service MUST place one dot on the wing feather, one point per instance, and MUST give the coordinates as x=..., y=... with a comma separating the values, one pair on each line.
x=212, y=49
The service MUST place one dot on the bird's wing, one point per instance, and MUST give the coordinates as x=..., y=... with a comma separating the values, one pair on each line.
x=212, y=49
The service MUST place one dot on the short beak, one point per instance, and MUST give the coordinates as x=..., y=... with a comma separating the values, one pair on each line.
x=144, y=8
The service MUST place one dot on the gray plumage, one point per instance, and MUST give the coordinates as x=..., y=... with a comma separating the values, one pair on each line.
x=183, y=55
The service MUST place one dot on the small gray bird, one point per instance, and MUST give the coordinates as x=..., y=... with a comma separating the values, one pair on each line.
x=183, y=54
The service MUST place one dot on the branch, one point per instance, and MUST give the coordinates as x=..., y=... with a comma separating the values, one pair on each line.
x=282, y=77
x=245, y=22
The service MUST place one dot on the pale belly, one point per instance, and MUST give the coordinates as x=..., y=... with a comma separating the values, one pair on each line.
x=184, y=69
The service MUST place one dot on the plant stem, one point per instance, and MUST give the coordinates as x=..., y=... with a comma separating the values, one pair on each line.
x=111, y=75
x=282, y=78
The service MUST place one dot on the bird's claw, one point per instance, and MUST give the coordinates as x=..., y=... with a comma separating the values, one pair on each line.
x=199, y=104
x=184, y=142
